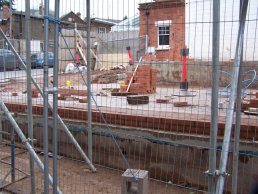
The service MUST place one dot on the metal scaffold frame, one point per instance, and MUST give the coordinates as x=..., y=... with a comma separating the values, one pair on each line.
x=108, y=98
x=45, y=93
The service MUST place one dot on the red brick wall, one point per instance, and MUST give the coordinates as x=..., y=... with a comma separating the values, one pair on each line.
x=160, y=11
x=5, y=27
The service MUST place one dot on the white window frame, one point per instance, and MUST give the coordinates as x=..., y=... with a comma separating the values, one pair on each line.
x=164, y=23
x=102, y=30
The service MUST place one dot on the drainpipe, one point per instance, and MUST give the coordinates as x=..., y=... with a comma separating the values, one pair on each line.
x=146, y=11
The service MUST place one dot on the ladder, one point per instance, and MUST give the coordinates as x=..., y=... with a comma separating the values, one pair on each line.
x=80, y=39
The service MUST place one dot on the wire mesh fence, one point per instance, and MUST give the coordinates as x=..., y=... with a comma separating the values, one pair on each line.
x=151, y=73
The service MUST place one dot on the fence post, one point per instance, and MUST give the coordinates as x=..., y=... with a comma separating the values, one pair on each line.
x=214, y=98
x=55, y=99
x=230, y=112
x=29, y=92
x=89, y=83
x=45, y=96
x=238, y=124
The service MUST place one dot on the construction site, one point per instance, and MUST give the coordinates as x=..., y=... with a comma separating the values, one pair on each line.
x=129, y=96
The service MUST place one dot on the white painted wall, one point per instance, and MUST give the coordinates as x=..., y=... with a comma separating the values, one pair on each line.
x=199, y=29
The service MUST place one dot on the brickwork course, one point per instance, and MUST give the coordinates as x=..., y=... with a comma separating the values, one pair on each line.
x=194, y=125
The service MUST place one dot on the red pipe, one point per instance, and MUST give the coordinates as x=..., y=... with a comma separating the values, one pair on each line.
x=184, y=73
x=130, y=55
x=77, y=58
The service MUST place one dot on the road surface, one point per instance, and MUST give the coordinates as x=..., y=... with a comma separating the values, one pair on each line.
x=21, y=74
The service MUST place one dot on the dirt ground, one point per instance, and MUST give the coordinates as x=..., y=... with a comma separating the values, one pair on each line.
x=74, y=177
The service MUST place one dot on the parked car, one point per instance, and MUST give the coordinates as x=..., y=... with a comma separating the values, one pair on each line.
x=37, y=60
x=8, y=60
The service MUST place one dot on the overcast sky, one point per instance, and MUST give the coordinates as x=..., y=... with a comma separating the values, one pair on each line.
x=110, y=9
x=198, y=28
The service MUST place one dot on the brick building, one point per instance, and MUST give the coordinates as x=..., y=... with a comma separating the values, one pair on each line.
x=163, y=22
x=68, y=21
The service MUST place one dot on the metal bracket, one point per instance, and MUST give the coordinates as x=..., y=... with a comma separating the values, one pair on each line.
x=53, y=90
x=29, y=140
x=216, y=173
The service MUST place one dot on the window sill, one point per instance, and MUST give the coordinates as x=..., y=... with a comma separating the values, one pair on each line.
x=162, y=48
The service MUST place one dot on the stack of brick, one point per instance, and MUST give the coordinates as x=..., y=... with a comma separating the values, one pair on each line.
x=252, y=103
x=144, y=80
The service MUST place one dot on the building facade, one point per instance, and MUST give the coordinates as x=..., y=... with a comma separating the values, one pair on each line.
x=163, y=23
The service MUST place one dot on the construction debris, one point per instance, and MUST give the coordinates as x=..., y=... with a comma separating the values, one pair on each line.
x=251, y=106
x=251, y=111
x=14, y=94
x=106, y=77
x=72, y=68
x=117, y=67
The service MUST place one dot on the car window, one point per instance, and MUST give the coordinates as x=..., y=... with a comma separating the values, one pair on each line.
x=34, y=56
x=50, y=55
x=41, y=55
x=9, y=52
x=5, y=52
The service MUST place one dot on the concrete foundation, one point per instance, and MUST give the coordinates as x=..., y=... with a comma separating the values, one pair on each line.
x=176, y=158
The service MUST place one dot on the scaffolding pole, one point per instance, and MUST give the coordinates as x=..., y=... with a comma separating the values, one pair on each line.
x=24, y=140
x=29, y=92
x=60, y=121
x=214, y=98
x=45, y=97
x=55, y=99
x=89, y=83
x=238, y=124
x=230, y=112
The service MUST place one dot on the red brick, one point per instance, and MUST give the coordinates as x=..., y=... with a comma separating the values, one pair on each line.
x=180, y=104
x=163, y=101
x=83, y=100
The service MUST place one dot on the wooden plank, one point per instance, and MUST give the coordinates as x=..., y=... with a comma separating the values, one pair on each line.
x=131, y=80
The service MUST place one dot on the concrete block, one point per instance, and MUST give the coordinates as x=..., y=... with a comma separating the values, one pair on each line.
x=135, y=100
x=135, y=182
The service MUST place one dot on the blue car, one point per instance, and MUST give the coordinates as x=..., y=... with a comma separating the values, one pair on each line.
x=37, y=60
x=8, y=61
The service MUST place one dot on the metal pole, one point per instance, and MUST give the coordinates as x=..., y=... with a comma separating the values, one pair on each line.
x=24, y=140
x=237, y=134
x=1, y=128
x=12, y=155
x=55, y=99
x=214, y=97
x=61, y=122
x=45, y=97
x=230, y=111
x=238, y=125
x=89, y=83
x=29, y=92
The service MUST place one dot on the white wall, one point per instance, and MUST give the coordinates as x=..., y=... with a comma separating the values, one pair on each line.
x=199, y=29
